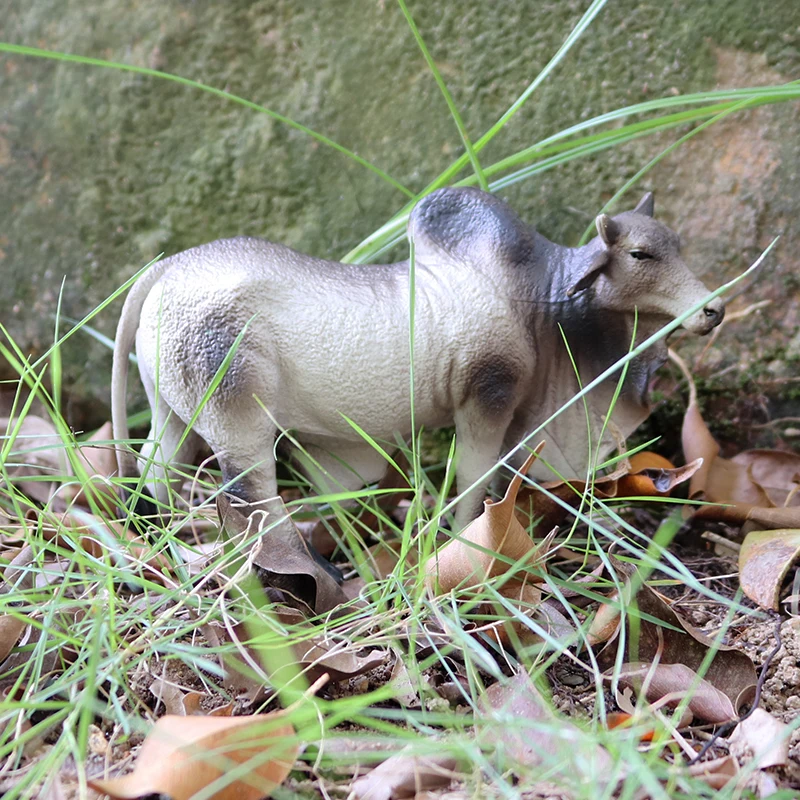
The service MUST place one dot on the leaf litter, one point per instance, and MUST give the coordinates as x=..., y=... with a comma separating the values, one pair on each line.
x=756, y=489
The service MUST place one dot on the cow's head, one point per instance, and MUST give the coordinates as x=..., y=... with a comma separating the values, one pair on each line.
x=635, y=263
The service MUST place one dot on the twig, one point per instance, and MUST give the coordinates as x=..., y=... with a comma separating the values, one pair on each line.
x=729, y=726
x=710, y=536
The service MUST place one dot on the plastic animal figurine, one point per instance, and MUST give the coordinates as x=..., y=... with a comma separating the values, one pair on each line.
x=324, y=344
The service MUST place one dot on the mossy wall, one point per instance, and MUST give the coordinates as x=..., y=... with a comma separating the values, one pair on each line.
x=102, y=170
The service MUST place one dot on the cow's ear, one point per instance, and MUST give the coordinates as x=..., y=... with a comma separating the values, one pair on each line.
x=462, y=224
x=599, y=262
x=646, y=206
x=607, y=228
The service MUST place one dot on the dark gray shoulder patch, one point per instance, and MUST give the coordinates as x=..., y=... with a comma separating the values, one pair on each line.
x=470, y=225
x=491, y=384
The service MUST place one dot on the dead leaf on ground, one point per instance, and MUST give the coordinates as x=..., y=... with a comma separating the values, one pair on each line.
x=671, y=682
x=405, y=775
x=471, y=557
x=643, y=475
x=756, y=485
x=11, y=629
x=765, y=559
x=329, y=654
x=100, y=463
x=403, y=688
x=182, y=703
x=510, y=629
x=425, y=637
x=511, y=726
x=183, y=755
x=38, y=451
x=675, y=642
x=762, y=737
x=717, y=773
x=281, y=557
x=339, y=659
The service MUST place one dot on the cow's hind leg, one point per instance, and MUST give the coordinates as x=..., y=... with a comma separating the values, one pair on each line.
x=167, y=443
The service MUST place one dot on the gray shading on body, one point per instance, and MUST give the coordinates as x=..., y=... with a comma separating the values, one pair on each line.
x=326, y=342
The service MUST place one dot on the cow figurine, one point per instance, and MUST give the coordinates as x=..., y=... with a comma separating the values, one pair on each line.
x=501, y=314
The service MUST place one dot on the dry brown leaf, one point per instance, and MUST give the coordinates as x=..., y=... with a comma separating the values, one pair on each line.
x=677, y=642
x=330, y=655
x=405, y=775
x=717, y=773
x=183, y=755
x=508, y=630
x=472, y=557
x=643, y=475
x=762, y=737
x=625, y=719
x=337, y=659
x=765, y=559
x=672, y=681
x=192, y=704
x=99, y=463
x=11, y=629
x=605, y=623
x=511, y=726
x=184, y=703
x=756, y=485
x=282, y=559
x=99, y=460
x=37, y=451
x=402, y=686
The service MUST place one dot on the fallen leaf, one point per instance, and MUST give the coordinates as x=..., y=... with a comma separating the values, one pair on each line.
x=11, y=629
x=185, y=704
x=183, y=755
x=511, y=727
x=384, y=557
x=38, y=451
x=99, y=537
x=330, y=654
x=672, y=681
x=99, y=464
x=471, y=557
x=765, y=559
x=643, y=475
x=99, y=459
x=336, y=658
x=675, y=642
x=717, y=773
x=282, y=559
x=403, y=689
x=405, y=775
x=622, y=719
x=509, y=629
x=762, y=737
x=756, y=485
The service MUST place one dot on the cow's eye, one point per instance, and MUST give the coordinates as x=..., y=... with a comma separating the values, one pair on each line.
x=640, y=255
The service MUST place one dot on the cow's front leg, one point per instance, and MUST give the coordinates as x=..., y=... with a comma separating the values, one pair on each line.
x=478, y=446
